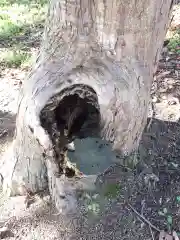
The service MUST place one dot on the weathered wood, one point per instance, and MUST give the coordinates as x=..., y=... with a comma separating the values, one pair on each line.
x=92, y=77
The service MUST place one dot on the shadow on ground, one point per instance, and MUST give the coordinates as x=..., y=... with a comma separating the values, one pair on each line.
x=149, y=185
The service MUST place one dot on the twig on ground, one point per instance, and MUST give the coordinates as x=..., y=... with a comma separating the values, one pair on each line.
x=143, y=218
x=151, y=232
x=149, y=123
x=142, y=206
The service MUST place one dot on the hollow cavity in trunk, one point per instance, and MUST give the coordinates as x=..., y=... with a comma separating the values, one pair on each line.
x=66, y=119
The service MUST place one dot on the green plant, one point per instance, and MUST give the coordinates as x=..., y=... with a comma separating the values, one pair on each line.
x=16, y=19
x=20, y=21
x=174, y=42
x=169, y=219
x=14, y=58
x=112, y=190
x=9, y=29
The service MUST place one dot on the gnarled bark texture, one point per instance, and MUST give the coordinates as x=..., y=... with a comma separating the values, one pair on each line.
x=92, y=78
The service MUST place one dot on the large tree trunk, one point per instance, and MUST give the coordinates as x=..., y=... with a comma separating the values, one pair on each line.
x=92, y=78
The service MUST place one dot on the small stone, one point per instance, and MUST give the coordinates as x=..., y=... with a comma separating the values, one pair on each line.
x=170, y=86
x=71, y=147
x=164, y=97
x=154, y=99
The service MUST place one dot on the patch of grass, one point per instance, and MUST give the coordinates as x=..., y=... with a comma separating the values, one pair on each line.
x=174, y=43
x=111, y=191
x=8, y=29
x=20, y=20
x=22, y=2
x=17, y=17
x=15, y=58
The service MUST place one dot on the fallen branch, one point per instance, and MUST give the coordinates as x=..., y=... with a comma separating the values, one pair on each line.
x=143, y=218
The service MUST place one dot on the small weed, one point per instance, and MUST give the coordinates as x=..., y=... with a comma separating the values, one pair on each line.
x=112, y=190
x=178, y=199
x=94, y=208
x=174, y=43
x=20, y=19
x=169, y=219
x=16, y=19
x=8, y=29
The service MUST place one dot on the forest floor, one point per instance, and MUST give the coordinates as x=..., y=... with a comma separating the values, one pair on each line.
x=147, y=198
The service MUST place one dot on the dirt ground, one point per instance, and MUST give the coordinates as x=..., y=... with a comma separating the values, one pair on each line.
x=148, y=199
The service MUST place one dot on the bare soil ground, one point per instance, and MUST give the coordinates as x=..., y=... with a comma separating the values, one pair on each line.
x=148, y=196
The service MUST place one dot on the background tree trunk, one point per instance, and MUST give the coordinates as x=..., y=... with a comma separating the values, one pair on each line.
x=93, y=76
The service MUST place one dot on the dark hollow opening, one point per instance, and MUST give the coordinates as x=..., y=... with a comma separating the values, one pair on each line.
x=77, y=116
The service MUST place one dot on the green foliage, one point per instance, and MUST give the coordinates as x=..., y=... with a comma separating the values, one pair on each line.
x=9, y=29
x=22, y=2
x=168, y=217
x=178, y=199
x=111, y=191
x=94, y=208
x=174, y=43
x=19, y=21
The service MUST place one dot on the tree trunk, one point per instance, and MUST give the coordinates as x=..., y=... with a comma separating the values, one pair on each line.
x=92, y=78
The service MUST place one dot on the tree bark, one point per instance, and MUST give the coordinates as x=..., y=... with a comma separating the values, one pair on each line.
x=92, y=78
